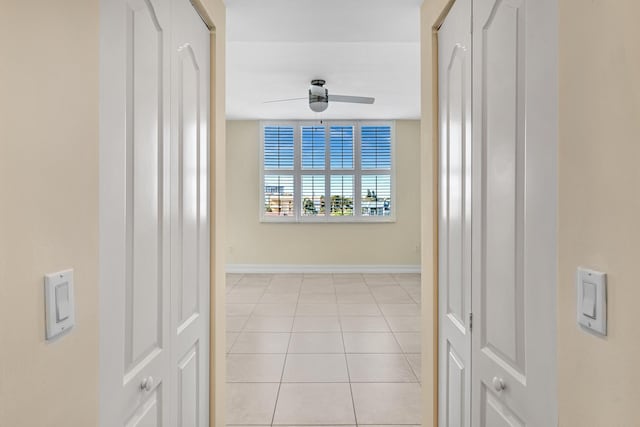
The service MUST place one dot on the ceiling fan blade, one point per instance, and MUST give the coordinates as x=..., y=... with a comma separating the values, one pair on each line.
x=354, y=99
x=285, y=100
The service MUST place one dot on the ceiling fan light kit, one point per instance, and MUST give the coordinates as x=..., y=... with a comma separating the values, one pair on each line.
x=319, y=97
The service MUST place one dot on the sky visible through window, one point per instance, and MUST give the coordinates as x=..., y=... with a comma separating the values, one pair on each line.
x=376, y=147
x=341, y=147
x=278, y=147
x=313, y=147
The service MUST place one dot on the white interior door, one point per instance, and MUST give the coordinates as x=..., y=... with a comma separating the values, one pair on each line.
x=454, y=229
x=514, y=206
x=190, y=219
x=134, y=208
x=153, y=364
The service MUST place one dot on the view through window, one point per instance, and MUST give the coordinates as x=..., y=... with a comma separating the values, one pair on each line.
x=327, y=171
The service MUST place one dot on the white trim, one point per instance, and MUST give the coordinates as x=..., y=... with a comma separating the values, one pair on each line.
x=321, y=268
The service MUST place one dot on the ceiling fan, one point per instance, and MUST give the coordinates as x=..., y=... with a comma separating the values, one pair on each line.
x=319, y=97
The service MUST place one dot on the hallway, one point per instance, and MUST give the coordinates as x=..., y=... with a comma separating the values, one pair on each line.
x=323, y=349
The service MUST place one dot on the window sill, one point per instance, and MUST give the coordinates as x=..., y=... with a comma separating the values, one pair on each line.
x=333, y=220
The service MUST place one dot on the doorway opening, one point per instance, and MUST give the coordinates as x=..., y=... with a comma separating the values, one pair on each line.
x=323, y=216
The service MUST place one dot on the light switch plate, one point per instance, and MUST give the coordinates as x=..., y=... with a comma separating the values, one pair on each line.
x=591, y=287
x=59, y=303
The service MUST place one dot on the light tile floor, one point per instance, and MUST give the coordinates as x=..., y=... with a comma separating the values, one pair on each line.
x=323, y=349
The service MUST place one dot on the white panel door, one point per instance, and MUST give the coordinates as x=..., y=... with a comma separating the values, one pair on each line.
x=514, y=205
x=134, y=207
x=140, y=338
x=454, y=228
x=190, y=219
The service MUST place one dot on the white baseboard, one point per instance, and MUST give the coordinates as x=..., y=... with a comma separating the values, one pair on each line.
x=297, y=268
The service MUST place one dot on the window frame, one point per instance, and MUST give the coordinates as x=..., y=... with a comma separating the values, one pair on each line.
x=297, y=172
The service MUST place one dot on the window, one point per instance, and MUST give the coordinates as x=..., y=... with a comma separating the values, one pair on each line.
x=328, y=172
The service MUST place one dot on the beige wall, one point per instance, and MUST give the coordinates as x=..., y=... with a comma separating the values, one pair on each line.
x=252, y=242
x=599, y=208
x=49, y=204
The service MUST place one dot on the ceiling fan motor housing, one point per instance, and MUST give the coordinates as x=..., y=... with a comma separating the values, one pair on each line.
x=318, y=96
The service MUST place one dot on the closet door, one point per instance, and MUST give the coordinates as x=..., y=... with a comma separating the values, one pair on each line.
x=190, y=216
x=514, y=208
x=134, y=213
x=154, y=214
x=454, y=226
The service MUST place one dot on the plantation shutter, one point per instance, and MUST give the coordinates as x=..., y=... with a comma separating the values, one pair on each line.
x=313, y=147
x=278, y=179
x=278, y=147
x=327, y=171
x=375, y=183
x=341, y=147
x=376, y=147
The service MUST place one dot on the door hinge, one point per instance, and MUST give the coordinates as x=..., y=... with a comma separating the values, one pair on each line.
x=470, y=321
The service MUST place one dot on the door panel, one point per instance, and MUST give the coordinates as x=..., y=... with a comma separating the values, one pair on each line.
x=454, y=228
x=134, y=227
x=190, y=174
x=514, y=205
x=495, y=414
x=188, y=388
x=148, y=414
x=144, y=176
x=503, y=123
x=189, y=113
x=499, y=280
x=154, y=214
x=456, y=389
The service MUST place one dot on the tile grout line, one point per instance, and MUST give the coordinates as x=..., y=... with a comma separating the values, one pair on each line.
x=393, y=334
x=346, y=361
x=396, y=338
x=244, y=325
x=284, y=365
x=226, y=333
x=325, y=382
x=227, y=291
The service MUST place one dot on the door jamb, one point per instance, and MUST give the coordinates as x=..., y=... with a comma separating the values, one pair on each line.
x=217, y=314
x=217, y=184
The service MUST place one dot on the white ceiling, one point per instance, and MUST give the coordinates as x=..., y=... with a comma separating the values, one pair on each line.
x=360, y=47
